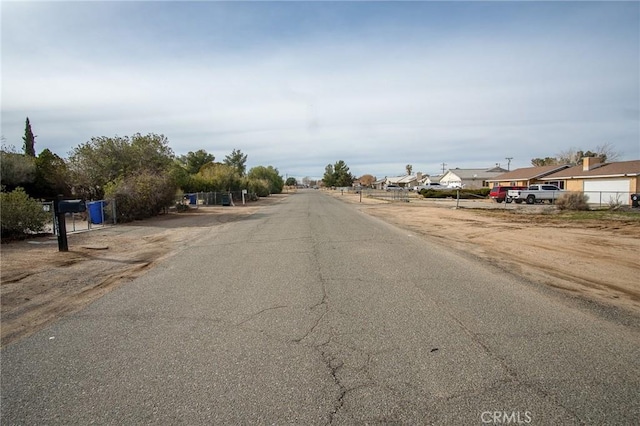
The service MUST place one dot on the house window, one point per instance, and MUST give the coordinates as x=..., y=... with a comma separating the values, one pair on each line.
x=558, y=183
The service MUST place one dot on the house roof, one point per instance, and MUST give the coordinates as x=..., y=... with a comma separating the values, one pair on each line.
x=477, y=173
x=409, y=179
x=402, y=179
x=528, y=173
x=618, y=169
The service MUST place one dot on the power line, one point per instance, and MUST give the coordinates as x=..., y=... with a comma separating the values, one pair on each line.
x=509, y=163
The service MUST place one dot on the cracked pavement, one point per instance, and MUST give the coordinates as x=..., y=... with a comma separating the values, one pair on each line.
x=311, y=312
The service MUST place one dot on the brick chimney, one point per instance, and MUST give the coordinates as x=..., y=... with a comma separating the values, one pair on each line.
x=419, y=176
x=589, y=163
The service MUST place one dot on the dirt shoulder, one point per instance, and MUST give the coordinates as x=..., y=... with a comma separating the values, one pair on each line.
x=593, y=260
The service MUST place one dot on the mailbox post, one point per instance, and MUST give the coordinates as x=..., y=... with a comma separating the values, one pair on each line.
x=62, y=207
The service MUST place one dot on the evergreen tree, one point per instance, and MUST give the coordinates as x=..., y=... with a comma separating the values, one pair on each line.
x=337, y=174
x=237, y=160
x=329, y=176
x=29, y=140
x=194, y=161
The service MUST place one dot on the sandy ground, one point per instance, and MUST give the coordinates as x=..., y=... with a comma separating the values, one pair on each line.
x=593, y=260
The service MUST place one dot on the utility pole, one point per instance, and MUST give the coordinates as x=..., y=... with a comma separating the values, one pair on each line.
x=443, y=166
x=509, y=163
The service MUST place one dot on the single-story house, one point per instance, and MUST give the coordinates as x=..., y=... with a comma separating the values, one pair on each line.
x=470, y=178
x=379, y=184
x=528, y=176
x=601, y=182
x=405, y=181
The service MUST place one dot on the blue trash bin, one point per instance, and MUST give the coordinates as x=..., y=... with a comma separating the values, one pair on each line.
x=95, y=211
x=193, y=199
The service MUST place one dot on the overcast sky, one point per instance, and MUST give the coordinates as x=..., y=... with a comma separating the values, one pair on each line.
x=300, y=85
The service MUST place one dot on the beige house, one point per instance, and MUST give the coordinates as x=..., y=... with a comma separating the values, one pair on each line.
x=470, y=178
x=527, y=176
x=601, y=182
x=405, y=181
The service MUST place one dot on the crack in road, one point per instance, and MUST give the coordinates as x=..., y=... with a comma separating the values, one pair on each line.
x=252, y=316
x=511, y=372
x=331, y=352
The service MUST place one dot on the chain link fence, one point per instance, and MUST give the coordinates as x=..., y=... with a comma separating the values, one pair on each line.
x=196, y=199
x=99, y=214
x=595, y=199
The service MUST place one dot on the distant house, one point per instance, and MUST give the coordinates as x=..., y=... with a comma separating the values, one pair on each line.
x=528, y=176
x=470, y=178
x=601, y=182
x=405, y=181
x=379, y=184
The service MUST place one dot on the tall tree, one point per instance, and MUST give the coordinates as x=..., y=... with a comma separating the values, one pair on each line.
x=337, y=175
x=367, y=180
x=409, y=168
x=605, y=152
x=222, y=177
x=51, y=176
x=548, y=161
x=150, y=152
x=269, y=174
x=16, y=169
x=29, y=140
x=573, y=156
x=194, y=161
x=103, y=159
x=329, y=178
x=343, y=176
x=237, y=160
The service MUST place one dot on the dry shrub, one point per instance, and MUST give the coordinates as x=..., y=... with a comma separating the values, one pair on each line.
x=573, y=201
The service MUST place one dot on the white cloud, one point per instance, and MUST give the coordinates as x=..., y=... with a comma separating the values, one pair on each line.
x=467, y=101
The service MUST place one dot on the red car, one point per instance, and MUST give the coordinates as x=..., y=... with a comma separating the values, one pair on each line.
x=499, y=193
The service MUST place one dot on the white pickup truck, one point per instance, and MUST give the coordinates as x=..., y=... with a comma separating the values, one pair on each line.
x=534, y=194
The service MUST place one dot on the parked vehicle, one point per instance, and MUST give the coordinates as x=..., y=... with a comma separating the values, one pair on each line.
x=499, y=193
x=394, y=187
x=433, y=185
x=535, y=194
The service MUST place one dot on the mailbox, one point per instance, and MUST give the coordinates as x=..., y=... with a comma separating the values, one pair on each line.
x=71, y=206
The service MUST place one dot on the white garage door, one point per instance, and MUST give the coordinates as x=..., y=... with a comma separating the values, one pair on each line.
x=606, y=191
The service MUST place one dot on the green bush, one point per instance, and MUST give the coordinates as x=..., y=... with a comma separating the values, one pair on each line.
x=180, y=208
x=573, y=201
x=21, y=215
x=260, y=187
x=453, y=193
x=141, y=196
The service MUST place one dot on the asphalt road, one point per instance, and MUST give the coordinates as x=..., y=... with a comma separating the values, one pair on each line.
x=312, y=313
